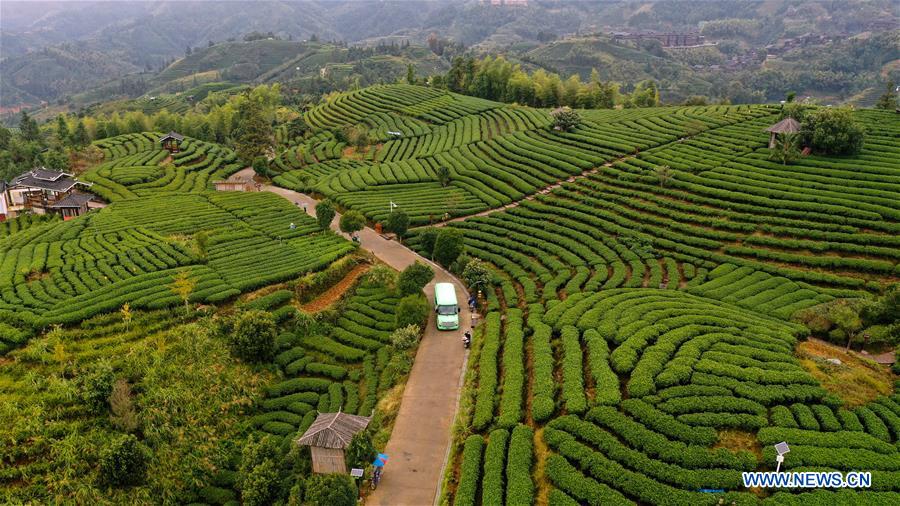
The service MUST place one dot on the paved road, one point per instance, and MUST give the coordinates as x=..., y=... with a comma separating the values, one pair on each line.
x=420, y=440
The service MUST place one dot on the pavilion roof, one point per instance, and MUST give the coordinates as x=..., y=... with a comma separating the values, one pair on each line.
x=786, y=126
x=333, y=430
x=172, y=135
x=72, y=200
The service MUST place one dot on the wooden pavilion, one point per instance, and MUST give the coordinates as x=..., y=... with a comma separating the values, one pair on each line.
x=72, y=205
x=171, y=141
x=328, y=437
x=786, y=126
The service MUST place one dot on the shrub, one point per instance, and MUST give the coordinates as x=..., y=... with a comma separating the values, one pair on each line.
x=519, y=487
x=427, y=237
x=494, y=460
x=486, y=396
x=411, y=310
x=361, y=451
x=331, y=490
x=477, y=275
x=573, y=385
x=397, y=222
x=443, y=175
x=405, y=338
x=833, y=131
x=252, y=335
x=124, y=462
x=324, y=214
x=511, y=399
x=274, y=299
x=448, y=245
x=96, y=386
x=380, y=276
x=261, y=485
x=565, y=119
x=470, y=471
x=261, y=166
x=414, y=278
x=122, y=412
x=352, y=221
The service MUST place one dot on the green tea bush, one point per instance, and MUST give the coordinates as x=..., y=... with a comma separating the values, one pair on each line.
x=123, y=462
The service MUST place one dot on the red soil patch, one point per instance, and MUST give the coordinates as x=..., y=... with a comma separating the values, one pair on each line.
x=334, y=293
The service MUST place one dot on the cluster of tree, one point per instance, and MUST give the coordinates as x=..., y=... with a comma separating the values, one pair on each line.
x=258, y=36
x=31, y=146
x=243, y=122
x=275, y=471
x=499, y=79
x=871, y=321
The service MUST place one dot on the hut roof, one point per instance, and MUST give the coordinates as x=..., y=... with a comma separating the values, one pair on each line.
x=333, y=430
x=72, y=200
x=786, y=126
x=172, y=135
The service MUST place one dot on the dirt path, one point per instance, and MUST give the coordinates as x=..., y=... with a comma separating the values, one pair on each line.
x=420, y=442
x=542, y=191
x=333, y=294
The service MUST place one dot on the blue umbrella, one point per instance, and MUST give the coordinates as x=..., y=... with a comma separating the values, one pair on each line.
x=380, y=460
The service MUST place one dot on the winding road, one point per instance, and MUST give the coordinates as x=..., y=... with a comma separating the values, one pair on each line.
x=420, y=442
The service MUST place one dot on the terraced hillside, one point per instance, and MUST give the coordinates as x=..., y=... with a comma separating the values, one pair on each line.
x=495, y=153
x=166, y=355
x=637, y=345
x=136, y=166
x=63, y=272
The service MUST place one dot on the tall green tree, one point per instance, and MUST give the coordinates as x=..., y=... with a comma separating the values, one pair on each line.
x=254, y=135
x=352, y=221
x=28, y=128
x=5, y=137
x=324, y=214
x=448, y=245
x=397, y=222
x=889, y=99
x=80, y=137
x=62, y=130
x=55, y=160
x=443, y=175
x=414, y=278
x=646, y=94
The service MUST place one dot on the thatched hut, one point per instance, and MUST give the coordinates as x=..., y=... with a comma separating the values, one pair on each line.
x=328, y=437
x=786, y=126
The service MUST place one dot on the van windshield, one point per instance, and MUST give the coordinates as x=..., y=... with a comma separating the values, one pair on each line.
x=446, y=310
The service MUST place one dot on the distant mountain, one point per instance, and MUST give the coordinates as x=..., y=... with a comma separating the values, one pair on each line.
x=52, y=51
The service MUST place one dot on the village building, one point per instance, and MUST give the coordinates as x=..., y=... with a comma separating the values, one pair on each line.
x=236, y=184
x=171, y=141
x=38, y=190
x=72, y=205
x=328, y=437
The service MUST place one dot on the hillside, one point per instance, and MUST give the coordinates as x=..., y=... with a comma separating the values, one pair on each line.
x=647, y=284
x=633, y=324
x=499, y=154
x=54, y=51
